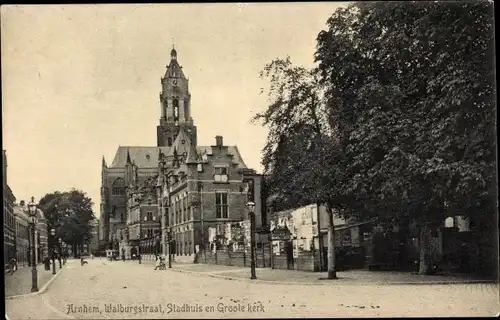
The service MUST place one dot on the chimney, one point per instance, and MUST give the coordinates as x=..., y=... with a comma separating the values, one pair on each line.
x=218, y=141
x=21, y=203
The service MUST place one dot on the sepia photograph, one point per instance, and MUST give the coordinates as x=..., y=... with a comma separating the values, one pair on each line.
x=250, y=160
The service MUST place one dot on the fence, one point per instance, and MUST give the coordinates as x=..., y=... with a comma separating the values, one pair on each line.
x=241, y=258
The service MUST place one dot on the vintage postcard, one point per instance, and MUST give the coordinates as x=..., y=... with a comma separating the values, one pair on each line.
x=249, y=160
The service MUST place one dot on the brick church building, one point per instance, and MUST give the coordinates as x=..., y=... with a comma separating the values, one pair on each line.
x=206, y=184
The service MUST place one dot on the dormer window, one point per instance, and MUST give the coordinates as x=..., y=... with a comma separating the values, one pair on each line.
x=221, y=174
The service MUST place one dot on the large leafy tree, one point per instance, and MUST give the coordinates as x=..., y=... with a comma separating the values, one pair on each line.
x=70, y=214
x=302, y=157
x=411, y=88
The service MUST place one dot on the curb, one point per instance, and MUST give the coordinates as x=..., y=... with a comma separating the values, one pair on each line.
x=44, y=288
x=326, y=282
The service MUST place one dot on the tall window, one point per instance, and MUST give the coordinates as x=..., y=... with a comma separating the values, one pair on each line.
x=176, y=109
x=149, y=215
x=221, y=174
x=221, y=205
x=169, y=141
x=118, y=187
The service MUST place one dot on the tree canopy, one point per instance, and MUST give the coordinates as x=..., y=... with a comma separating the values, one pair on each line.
x=397, y=121
x=411, y=87
x=70, y=214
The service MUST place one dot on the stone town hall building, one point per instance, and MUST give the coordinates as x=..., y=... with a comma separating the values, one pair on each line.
x=206, y=182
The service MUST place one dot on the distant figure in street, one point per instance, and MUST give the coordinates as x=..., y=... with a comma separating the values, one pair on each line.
x=91, y=256
x=12, y=265
x=82, y=261
x=160, y=263
x=46, y=262
x=123, y=255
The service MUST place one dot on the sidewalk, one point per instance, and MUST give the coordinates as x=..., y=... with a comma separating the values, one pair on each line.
x=318, y=278
x=20, y=282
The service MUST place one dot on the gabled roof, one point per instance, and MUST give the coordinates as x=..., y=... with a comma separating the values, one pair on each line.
x=237, y=159
x=147, y=157
x=181, y=144
x=232, y=150
x=143, y=157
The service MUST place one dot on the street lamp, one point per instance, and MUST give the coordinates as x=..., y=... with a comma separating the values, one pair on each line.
x=139, y=235
x=60, y=253
x=32, y=209
x=251, y=214
x=164, y=215
x=53, y=234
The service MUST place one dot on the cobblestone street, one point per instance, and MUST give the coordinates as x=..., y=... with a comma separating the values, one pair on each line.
x=103, y=289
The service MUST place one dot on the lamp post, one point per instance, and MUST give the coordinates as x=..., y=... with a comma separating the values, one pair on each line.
x=32, y=209
x=165, y=215
x=140, y=232
x=60, y=254
x=53, y=234
x=251, y=214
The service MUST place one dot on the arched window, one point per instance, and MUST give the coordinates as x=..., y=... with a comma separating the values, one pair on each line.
x=118, y=187
x=176, y=109
x=169, y=141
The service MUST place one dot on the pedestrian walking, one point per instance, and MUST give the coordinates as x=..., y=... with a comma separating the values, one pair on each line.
x=46, y=262
x=12, y=265
x=157, y=265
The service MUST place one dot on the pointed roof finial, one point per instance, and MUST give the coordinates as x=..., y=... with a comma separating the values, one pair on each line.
x=128, y=157
x=103, y=161
x=173, y=53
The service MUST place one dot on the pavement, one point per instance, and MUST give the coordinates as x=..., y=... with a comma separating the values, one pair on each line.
x=355, y=277
x=128, y=290
x=19, y=282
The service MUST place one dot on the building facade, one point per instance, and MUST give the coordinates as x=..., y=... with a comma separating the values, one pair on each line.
x=23, y=241
x=202, y=185
x=9, y=219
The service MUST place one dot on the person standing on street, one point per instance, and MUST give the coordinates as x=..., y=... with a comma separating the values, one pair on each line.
x=12, y=265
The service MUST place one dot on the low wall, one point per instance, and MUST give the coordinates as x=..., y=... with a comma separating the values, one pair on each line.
x=306, y=261
x=234, y=258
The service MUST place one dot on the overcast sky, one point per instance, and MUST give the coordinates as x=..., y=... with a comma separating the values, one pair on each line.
x=80, y=80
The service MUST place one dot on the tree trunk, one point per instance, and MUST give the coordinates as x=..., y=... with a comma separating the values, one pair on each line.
x=425, y=250
x=332, y=274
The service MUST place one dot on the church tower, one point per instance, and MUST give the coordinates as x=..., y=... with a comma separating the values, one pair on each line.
x=175, y=102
